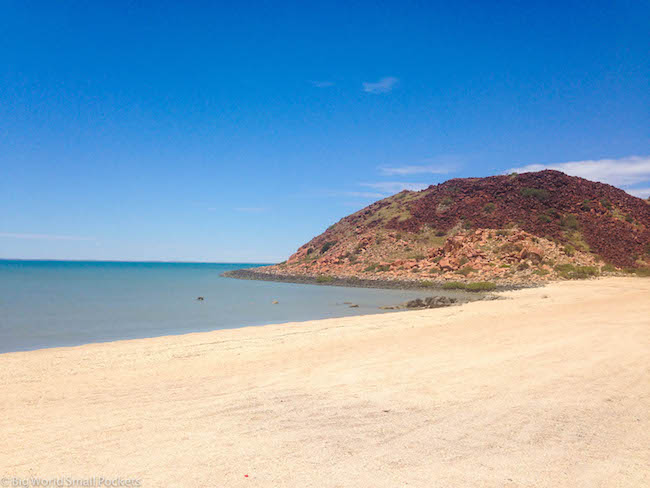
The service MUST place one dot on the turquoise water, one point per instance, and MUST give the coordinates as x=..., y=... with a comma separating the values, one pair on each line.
x=67, y=303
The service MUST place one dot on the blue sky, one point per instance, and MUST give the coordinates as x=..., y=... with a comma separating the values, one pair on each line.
x=236, y=131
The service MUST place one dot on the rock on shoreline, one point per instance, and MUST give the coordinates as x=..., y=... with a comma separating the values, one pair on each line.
x=352, y=282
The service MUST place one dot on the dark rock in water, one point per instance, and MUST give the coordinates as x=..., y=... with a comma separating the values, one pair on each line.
x=389, y=307
x=354, y=305
x=488, y=298
x=200, y=299
x=431, y=302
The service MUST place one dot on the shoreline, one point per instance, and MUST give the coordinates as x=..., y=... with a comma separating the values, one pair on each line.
x=381, y=310
x=546, y=388
x=353, y=282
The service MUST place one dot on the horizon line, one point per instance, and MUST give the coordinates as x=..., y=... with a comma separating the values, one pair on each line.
x=135, y=261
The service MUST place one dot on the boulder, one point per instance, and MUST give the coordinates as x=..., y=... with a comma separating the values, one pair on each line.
x=431, y=302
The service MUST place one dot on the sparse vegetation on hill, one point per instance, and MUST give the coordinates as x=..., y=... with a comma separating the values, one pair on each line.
x=519, y=227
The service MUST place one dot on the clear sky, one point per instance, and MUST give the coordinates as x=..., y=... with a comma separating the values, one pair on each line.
x=236, y=131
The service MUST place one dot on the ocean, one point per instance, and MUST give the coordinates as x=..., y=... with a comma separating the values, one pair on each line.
x=68, y=303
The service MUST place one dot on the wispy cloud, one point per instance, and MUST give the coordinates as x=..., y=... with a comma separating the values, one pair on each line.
x=626, y=171
x=440, y=165
x=384, y=85
x=639, y=192
x=414, y=170
x=390, y=187
x=321, y=83
x=358, y=194
x=251, y=209
x=45, y=237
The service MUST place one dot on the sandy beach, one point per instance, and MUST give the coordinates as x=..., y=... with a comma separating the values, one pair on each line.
x=546, y=388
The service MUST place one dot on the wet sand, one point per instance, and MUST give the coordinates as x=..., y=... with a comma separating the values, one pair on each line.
x=549, y=388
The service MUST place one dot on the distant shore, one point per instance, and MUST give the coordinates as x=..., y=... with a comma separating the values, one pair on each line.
x=389, y=284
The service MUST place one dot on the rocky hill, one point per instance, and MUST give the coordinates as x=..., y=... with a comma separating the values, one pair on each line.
x=519, y=227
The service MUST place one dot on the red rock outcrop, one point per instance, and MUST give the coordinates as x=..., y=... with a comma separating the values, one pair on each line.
x=500, y=227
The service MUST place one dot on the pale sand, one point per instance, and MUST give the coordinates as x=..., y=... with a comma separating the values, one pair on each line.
x=530, y=391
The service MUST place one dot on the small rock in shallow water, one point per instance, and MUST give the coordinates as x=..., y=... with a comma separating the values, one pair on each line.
x=430, y=302
x=354, y=305
x=200, y=299
x=492, y=297
x=274, y=302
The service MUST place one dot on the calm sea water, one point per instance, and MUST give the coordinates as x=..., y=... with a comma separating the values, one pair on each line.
x=62, y=303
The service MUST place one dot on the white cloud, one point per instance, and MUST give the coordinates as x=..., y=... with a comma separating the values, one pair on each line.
x=626, y=171
x=639, y=192
x=322, y=84
x=363, y=194
x=415, y=170
x=46, y=237
x=382, y=86
x=391, y=187
x=439, y=165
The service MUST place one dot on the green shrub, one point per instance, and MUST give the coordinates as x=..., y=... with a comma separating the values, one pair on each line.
x=606, y=203
x=446, y=201
x=327, y=246
x=571, y=272
x=645, y=271
x=541, y=272
x=569, y=221
x=324, y=279
x=417, y=257
x=466, y=271
x=481, y=286
x=569, y=250
x=383, y=267
x=489, y=207
x=586, y=205
x=370, y=267
x=564, y=268
x=453, y=285
x=608, y=268
x=427, y=284
x=504, y=266
x=536, y=193
x=544, y=218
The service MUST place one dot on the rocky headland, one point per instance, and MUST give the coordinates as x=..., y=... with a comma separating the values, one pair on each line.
x=479, y=233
